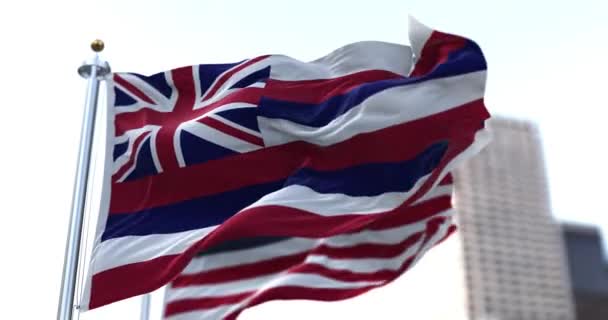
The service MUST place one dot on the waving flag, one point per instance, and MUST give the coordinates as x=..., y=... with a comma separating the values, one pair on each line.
x=281, y=157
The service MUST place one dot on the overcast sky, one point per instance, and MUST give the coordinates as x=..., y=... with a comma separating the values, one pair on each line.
x=547, y=63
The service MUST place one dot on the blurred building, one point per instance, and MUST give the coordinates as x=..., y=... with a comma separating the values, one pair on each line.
x=588, y=271
x=515, y=266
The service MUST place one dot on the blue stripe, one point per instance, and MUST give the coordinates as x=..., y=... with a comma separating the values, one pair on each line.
x=465, y=60
x=188, y=215
x=372, y=179
x=364, y=180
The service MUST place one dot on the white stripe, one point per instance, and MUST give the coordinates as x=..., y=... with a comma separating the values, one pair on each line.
x=121, y=251
x=352, y=58
x=198, y=94
x=218, y=137
x=382, y=110
x=419, y=34
x=177, y=144
x=263, y=283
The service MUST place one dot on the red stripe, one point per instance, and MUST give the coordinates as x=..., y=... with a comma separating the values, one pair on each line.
x=133, y=89
x=220, y=126
x=132, y=158
x=222, y=79
x=436, y=51
x=187, y=305
x=317, y=91
x=279, y=162
x=133, y=279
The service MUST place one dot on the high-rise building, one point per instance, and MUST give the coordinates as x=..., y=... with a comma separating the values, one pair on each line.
x=588, y=271
x=514, y=258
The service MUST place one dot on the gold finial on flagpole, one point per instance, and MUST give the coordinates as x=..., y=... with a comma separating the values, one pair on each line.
x=97, y=45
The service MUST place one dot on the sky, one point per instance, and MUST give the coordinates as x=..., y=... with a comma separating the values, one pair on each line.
x=546, y=63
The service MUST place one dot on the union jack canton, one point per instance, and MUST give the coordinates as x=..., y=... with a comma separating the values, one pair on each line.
x=185, y=116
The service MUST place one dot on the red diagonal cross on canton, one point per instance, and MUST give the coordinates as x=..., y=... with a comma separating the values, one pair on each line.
x=187, y=107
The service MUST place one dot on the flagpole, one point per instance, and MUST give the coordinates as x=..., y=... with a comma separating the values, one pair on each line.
x=94, y=70
x=145, y=307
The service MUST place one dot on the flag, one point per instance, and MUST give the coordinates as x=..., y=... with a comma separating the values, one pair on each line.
x=212, y=156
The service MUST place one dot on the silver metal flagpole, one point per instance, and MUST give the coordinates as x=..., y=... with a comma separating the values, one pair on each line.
x=94, y=70
x=145, y=307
